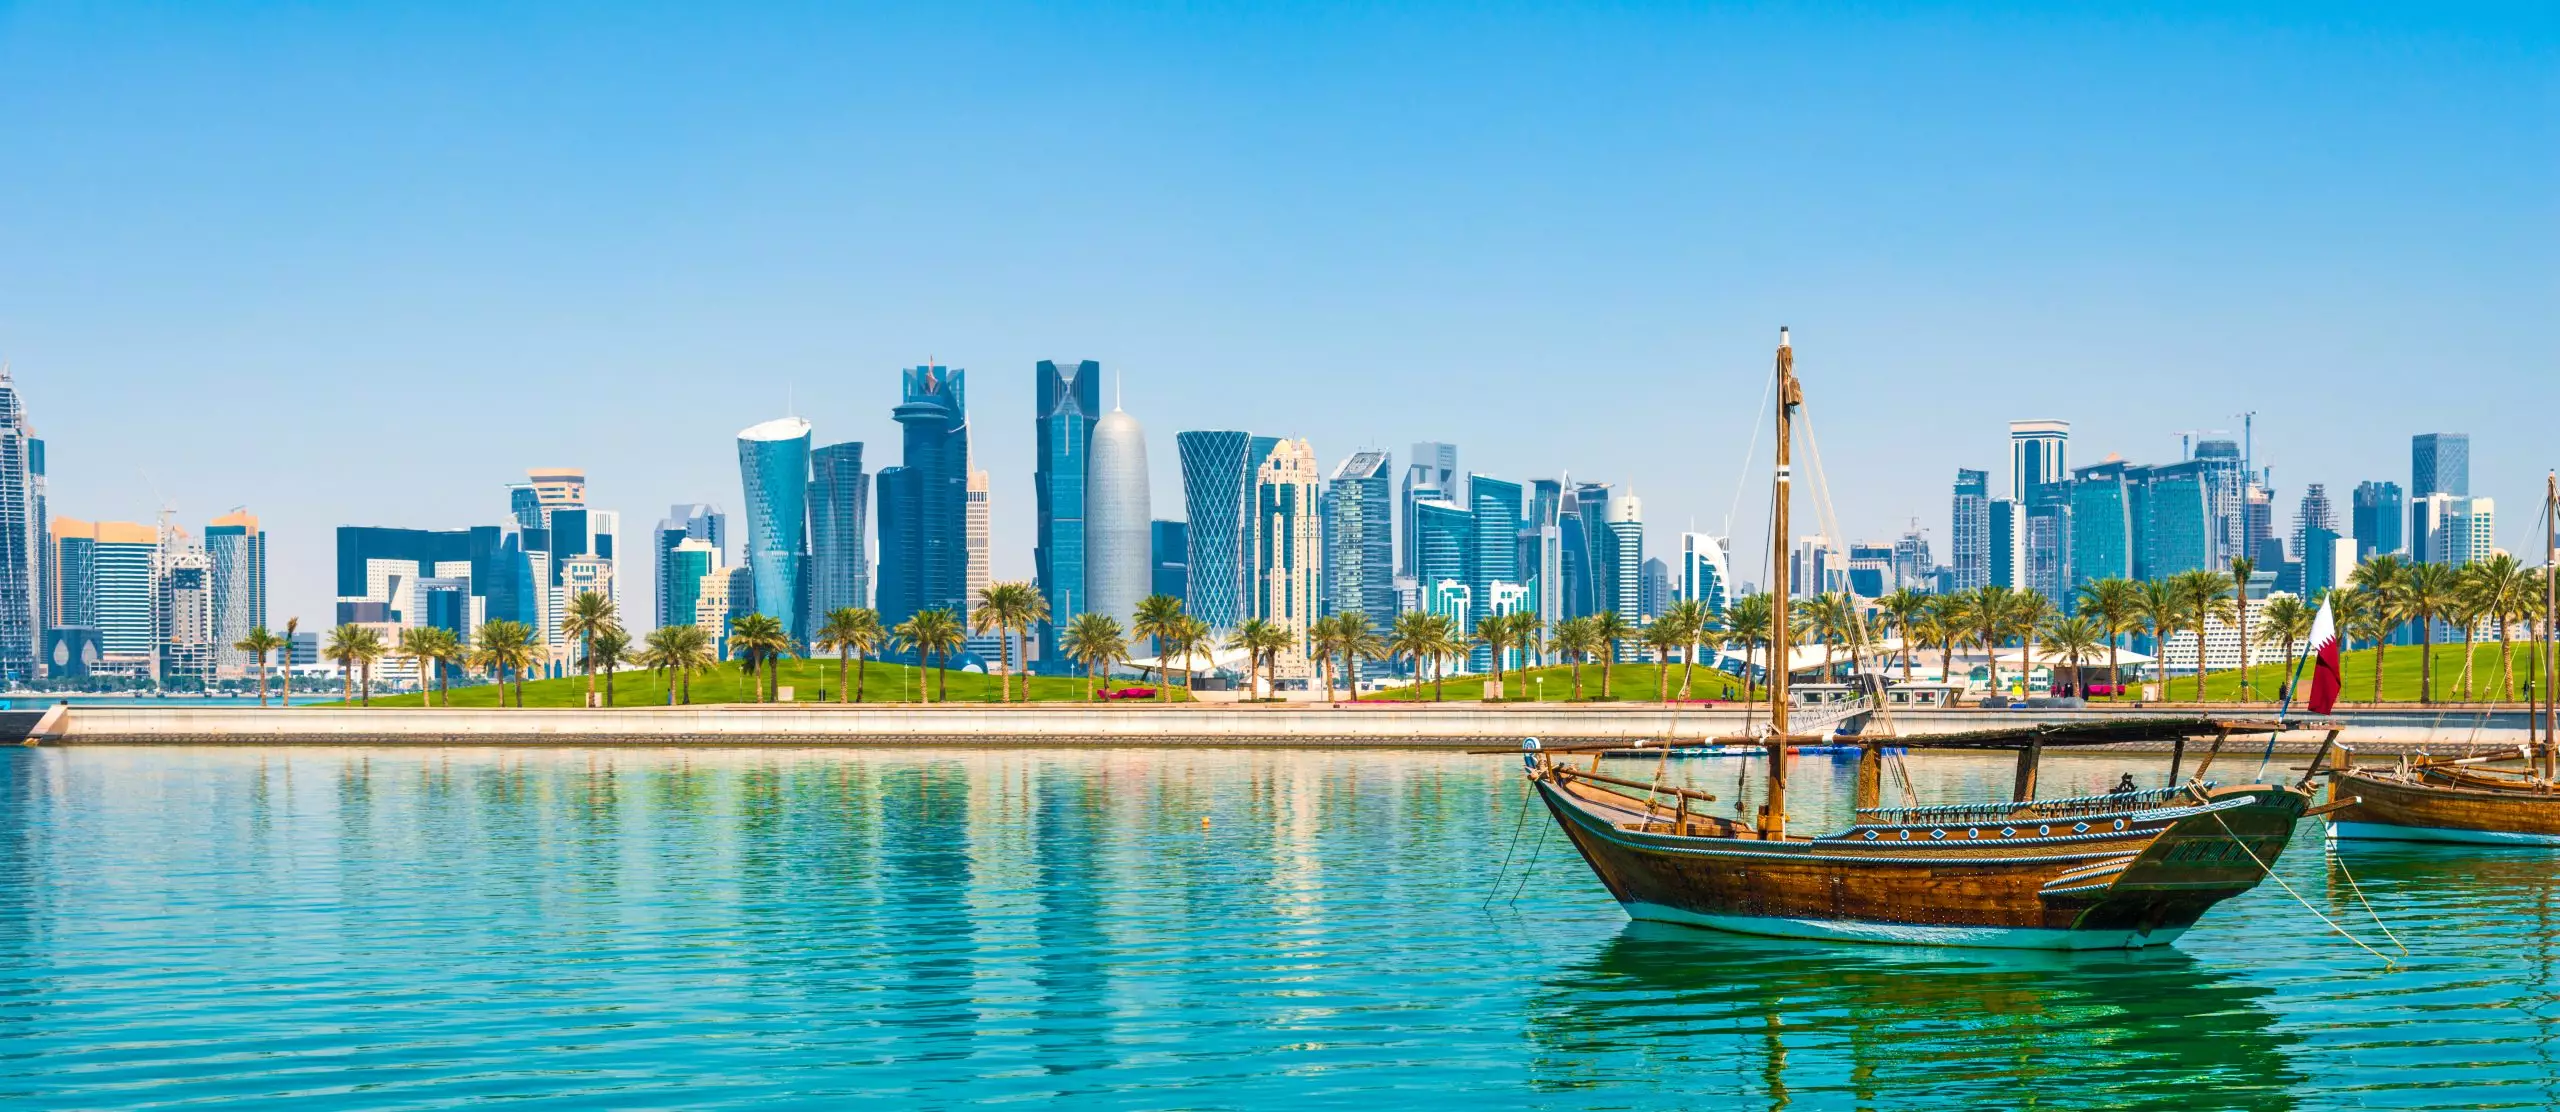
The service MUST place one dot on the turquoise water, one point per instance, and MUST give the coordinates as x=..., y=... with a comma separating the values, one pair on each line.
x=640, y=928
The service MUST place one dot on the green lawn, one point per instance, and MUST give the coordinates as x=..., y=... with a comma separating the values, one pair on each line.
x=883, y=683
x=1628, y=683
x=2400, y=670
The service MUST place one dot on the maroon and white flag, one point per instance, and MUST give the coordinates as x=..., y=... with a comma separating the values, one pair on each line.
x=2326, y=674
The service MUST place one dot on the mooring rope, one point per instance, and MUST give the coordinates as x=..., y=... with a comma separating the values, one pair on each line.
x=2270, y=873
x=2370, y=913
x=1499, y=875
x=1532, y=866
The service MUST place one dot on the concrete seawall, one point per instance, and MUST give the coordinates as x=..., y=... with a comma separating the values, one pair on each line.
x=1313, y=725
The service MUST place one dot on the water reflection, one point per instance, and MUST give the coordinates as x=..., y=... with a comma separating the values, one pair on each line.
x=1773, y=1023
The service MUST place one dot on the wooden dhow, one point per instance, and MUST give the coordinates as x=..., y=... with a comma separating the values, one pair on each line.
x=2127, y=869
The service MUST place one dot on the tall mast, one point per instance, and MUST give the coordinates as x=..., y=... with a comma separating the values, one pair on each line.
x=2550, y=609
x=1773, y=814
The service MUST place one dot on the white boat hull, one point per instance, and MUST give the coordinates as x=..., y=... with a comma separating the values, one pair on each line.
x=2392, y=832
x=1909, y=934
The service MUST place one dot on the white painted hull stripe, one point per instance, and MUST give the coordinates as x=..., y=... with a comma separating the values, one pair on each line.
x=1909, y=934
x=2392, y=832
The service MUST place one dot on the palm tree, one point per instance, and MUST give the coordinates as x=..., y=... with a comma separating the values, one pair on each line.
x=1156, y=618
x=1008, y=609
x=1094, y=641
x=933, y=635
x=1988, y=609
x=506, y=649
x=1747, y=620
x=1356, y=641
x=847, y=632
x=1526, y=636
x=355, y=647
x=759, y=642
x=1493, y=631
x=1411, y=638
x=607, y=648
x=2163, y=607
x=2027, y=613
x=2474, y=600
x=1902, y=610
x=258, y=644
x=2207, y=595
x=1323, y=637
x=2241, y=568
x=292, y=629
x=2428, y=594
x=2288, y=621
x=1952, y=615
x=1576, y=641
x=1662, y=636
x=2116, y=603
x=2075, y=639
x=2366, y=616
x=1448, y=643
x=1694, y=619
x=2515, y=598
x=2383, y=579
x=424, y=646
x=680, y=651
x=588, y=613
x=1612, y=629
x=1186, y=639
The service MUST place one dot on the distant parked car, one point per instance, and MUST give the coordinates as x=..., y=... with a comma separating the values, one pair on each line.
x=1131, y=693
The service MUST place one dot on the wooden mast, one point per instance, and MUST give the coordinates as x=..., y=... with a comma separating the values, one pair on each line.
x=1773, y=814
x=2550, y=609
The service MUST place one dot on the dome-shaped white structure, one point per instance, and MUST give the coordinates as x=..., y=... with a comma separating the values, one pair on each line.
x=1118, y=568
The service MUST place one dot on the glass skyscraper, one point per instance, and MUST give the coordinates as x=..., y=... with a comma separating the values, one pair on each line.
x=2377, y=511
x=923, y=504
x=2102, y=524
x=1496, y=505
x=839, y=530
x=1288, y=544
x=236, y=553
x=1971, y=529
x=773, y=467
x=1444, y=538
x=22, y=529
x=2440, y=463
x=1067, y=400
x=2039, y=456
x=1359, y=545
x=1119, y=537
x=1169, y=547
x=1626, y=549
x=1217, y=481
x=1432, y=472
x=685, y=522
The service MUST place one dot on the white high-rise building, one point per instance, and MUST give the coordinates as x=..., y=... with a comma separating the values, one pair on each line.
x=1119, y=566
x=2473, y=532
x=1705, y=574
x=1288, y=539
x=977, y=524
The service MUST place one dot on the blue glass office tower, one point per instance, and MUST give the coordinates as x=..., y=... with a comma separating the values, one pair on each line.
x=924, y=502
x=2376, y=519
x=1496, y=506
x=773, y=466
x=1067, y=400
x=839, y=531
x=1169, y=543
x=1359, y=550
x=1217, y=481
x=2440, y=463
x=2102, y=533
x=1444, y=538
x=696, y=521
x=1590, y=551
x=1970, y=521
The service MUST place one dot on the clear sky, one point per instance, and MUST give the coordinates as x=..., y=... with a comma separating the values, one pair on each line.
x=366, y=263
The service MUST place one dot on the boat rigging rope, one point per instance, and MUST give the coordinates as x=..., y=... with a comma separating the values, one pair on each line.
x=1526, y=797
x=2270, y=873
x=1532, y=866
x=2370, y=913
x=1742, y=475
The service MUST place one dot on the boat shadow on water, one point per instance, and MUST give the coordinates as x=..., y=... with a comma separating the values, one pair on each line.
x=1772, y=1023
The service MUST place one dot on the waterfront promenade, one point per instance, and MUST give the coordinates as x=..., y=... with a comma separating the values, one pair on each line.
x=1452, y=725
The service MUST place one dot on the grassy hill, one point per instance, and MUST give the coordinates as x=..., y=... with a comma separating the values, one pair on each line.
x=881, y=683
x=1628, y=683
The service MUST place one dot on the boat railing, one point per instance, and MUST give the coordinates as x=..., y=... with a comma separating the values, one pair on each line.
x=2057, y=806
x=1831, y=715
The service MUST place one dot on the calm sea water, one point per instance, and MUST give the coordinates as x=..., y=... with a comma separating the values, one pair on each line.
x=376, y=928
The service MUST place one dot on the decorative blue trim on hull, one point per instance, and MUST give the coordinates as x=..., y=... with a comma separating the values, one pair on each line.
x=2389, y=832
x=1910, y=934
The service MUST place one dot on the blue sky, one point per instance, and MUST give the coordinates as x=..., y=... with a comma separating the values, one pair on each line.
x=365, y=264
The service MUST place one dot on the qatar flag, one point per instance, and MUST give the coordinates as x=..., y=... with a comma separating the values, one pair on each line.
x=2326, y=677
